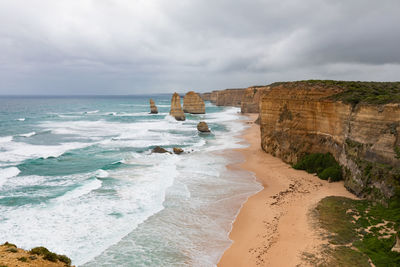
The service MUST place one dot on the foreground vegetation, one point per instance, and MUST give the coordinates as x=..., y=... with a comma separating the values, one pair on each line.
x=358, y=231
x=324, y=165
x=11, y=255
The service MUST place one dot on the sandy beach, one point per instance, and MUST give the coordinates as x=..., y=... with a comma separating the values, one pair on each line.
x=274, y=226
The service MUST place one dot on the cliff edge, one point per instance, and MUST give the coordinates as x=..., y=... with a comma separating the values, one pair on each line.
x=357, y=122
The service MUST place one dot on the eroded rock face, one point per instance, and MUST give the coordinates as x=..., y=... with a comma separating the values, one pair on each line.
x=153, y=107
x=363, y=138
x=192, y=103
x=176, y=110
x=203, y=127
x=229, y=97
x=251, y=99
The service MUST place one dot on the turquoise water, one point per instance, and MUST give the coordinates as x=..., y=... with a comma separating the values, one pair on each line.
x=77, y=176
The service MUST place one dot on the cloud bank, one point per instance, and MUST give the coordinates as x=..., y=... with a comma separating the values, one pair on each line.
x=150, y=46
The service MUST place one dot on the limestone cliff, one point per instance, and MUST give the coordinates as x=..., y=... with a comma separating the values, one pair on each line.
x=298, y=118
x=251, y=98
x=176, y=110
x=192, y=103
x=229, y=97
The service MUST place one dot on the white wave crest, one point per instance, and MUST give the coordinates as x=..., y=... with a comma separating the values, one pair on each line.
x=8, y=173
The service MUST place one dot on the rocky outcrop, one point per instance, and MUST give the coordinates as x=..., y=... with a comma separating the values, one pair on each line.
x=229, y=97
x=153, y=107
x=178, y=150
x=299, y=118
x=159, y=149
x=176, y=110
x=10, y=255
x=192, y=103
x=203, y=127
x=251, y=99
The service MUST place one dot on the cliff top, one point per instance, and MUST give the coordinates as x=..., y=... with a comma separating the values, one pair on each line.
x=354, y=92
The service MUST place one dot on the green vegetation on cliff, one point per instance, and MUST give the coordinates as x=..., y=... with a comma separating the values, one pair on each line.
x=358, y=230
x=50, y=256
x=354, y=92
x=324, y=165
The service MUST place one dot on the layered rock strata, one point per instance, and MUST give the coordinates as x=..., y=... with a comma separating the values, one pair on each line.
x=153, y=107
x=250, y=102
x=192, y=103
x=176, y=109
x=364, y=138
x=229, y=97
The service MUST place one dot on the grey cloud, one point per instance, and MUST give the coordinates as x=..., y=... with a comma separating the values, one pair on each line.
x=127, y=47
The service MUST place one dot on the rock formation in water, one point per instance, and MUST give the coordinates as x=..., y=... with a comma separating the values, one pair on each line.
x=153, y=107
x=178, y=150
x=203, y=127
x=192, y=103
x=159, y=149
x=359, y=129
x=176, y=110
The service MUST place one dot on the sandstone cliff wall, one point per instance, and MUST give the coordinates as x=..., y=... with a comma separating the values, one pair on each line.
x=251, y=99
x=363, y=138
x=229, y=97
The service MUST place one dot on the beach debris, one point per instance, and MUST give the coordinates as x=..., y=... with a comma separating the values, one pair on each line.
x=203, y=127
x=178, y=150
x=176, y=109
x=192, y=103
x=159, y=149
x=153, y=107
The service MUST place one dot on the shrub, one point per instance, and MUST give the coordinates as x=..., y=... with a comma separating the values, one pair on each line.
x=324, y=165
x=333, y=174
x=50, y=256
x=23, y=259
x=64, y=259
x=12, y=250
x=9, y=245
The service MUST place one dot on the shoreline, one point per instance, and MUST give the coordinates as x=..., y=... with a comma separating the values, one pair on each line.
x=273, y=227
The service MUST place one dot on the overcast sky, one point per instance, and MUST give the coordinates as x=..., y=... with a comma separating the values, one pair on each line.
x=150, y=46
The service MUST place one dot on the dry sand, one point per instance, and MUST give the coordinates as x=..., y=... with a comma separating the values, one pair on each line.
x=274, y=226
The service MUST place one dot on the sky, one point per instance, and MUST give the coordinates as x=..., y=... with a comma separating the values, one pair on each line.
x=159, y=46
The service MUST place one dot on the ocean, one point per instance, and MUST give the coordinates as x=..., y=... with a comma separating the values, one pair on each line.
x=77, y=176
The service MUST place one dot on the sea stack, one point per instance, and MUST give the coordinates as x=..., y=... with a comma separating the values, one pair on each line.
x=203, y=127
x=192, y=103
x=176, y=109
x=153, y=107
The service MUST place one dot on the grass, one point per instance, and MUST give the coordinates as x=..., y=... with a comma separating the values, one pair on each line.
x=324, y=165
x=359, y=230
x=50, y=256
x=354, y=92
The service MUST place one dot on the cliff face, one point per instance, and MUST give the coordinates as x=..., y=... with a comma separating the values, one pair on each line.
x=251, y=98
x=364, y=138
x=229, y=97
x=176, y=110
x=192, y=103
